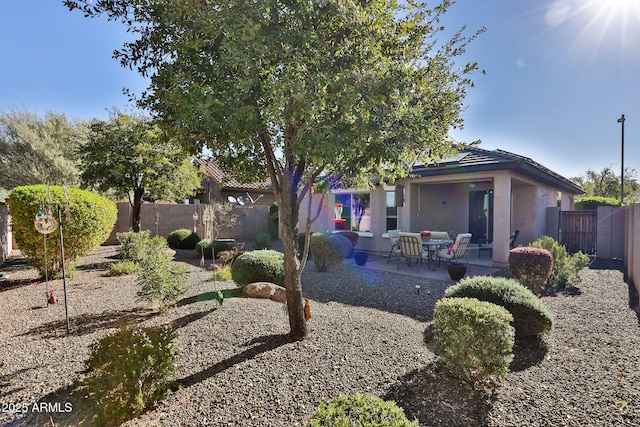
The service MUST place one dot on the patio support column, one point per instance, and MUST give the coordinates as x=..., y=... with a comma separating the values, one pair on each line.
x=501, y=218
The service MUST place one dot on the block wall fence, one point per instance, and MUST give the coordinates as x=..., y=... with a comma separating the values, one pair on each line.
x=162, y=219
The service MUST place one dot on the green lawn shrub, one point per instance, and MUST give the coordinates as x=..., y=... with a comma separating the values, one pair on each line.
x=122, y=268
x=258, y=266
x=474, y=339
x=532, y=320
x=531, y=266
x=128, y=372
x=136, y=247
x=263, y=239
x=592, y=203
x=89, y=222
x=328, y=249
x=565, y=267
x=359, y=410
x=183, y=239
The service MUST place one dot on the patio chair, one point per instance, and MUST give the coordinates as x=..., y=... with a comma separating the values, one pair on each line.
x=395, y=248
x=410, y=248
x=457, y=250
x=483, y=246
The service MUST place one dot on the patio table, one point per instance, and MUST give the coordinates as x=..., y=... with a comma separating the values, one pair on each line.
x=432, y=246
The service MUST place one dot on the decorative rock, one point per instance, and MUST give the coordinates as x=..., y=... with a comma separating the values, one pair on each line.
x=266, y=290
x=280, y=295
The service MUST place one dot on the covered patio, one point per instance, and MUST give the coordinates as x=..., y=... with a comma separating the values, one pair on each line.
x=489, y=194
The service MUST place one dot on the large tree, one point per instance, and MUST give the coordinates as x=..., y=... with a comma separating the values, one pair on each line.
x=605, y=183
x=39, y=150
x=130, y=156
x=298, y=90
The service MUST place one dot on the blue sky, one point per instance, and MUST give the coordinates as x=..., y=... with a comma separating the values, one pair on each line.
x=558, y=74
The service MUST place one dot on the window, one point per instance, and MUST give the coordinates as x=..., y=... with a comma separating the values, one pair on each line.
x=353, y=212
x=392, y=210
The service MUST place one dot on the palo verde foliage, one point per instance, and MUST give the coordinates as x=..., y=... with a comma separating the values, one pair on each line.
x=299, y=92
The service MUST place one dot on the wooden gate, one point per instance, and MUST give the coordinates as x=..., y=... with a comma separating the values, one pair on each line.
x=578, y=230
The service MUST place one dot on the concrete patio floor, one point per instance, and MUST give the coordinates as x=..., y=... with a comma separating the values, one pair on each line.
x=476, y=267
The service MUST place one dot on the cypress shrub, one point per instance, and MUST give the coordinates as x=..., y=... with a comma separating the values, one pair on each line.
x=565, y=266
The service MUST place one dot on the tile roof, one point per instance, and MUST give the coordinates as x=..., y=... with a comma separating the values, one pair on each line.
x=226, y=180
x=474, y=159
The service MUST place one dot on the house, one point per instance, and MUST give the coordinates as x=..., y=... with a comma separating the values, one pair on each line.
x=487, y=193
x=220, y=186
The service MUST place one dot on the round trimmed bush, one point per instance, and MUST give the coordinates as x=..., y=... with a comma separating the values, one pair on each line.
x=258, y=266
x=531, y=266
x=531, y=318
x=205, y=246
x=474, y=339
x=89, y=222
x=328, y=249
x=263, y=239
x=183, y=239
x=360, y=410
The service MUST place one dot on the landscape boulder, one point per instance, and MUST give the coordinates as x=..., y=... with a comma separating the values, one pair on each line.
x=266, y=290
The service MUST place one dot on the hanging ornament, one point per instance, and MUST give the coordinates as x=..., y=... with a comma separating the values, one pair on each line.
x=45, y=223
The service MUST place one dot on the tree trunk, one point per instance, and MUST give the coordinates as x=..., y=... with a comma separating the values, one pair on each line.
x=137, y=205
x=288, y=214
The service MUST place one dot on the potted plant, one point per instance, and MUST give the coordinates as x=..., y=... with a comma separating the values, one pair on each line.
x=360, y=257
x=456, y=270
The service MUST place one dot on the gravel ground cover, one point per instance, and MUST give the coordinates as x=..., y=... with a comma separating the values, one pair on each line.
x=237, y=366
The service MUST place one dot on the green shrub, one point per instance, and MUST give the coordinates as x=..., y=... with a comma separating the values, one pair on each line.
x=223, y=273
x=128, y=372
x=474, y=339
x=328, y=249
x=161, y=280
x=360, y=410
x=531, y=266
x=183, y=239
x=91, y=220
x=136, y=246
x=592, y=203
x=205, y=246
x=258, y=266
x=531, y=318
x=122, y=268
x=228, y=257
x=565, y=267
x=263, y=239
